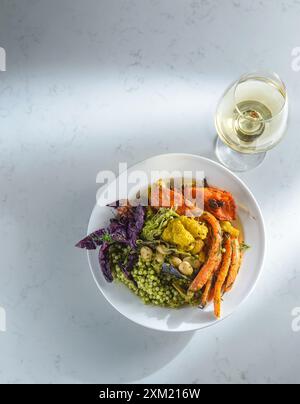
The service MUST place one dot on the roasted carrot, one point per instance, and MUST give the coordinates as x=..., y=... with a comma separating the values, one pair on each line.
x=226, y=261
x=206, y=293
x=212, y=293
x=162, y=196
x=214, y=255
x=234, y=266
x=216, y=201
x=211, y=284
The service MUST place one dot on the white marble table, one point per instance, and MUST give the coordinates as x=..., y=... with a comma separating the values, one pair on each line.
x=89, y=84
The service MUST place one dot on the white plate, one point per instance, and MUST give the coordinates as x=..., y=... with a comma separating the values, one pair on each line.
x=188, y=319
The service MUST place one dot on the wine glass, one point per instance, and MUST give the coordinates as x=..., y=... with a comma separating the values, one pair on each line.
x=251, y=119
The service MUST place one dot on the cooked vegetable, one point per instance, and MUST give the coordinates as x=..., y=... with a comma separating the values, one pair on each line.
x=146, y=253
x=202, y=257
x=186, y=268
x=155, y=225
x=171, y=249
x=197, y=229
x=199, y=244
x=151, y=286
x=205, y=295
x=216, y=201
x=182, y=231
x=226, y=261
x=162, y=196
x=214, y=254
x=235, y=264
x=244, y=247
x=228, y=228
x=175, y=233
x=126, y=265
x=220, y=203
x=162, y=249
x=172, y=253
x=170, y=270
x=93, y=240
x=104, y=262
x=124, y=229
x=135, y=222
x=212, y=292
x=181, y=291
x=193, y=261
x=175, y=261
x=159, y=258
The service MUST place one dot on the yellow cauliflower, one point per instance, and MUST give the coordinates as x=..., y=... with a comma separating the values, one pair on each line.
x=228, y=228
x=175, y=233
x=186, y=233
x=197, y=230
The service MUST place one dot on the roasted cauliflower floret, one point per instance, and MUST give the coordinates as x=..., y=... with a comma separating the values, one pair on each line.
x=175, y=233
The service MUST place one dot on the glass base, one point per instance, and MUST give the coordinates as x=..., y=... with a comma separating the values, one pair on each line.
x=236, y=161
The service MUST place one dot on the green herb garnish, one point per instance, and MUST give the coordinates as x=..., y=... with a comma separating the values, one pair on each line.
x=244, y=247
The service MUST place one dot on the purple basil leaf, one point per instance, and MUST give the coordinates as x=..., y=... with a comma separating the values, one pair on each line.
x=125, y=271
x=135, y=224
x=123, y=229
x=92, y=240
x=117, y=231
x=139, y=217
x=86, y=243
x=104, y=261
x=127, y=267
x=126, y=229
x=132, y=258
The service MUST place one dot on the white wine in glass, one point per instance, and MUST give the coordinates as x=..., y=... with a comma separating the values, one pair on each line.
x=251, y=119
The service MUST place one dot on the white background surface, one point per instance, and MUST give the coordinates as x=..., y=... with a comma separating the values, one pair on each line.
x=89, y=84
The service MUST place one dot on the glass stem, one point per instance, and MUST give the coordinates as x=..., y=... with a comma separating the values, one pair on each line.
x=236, y=161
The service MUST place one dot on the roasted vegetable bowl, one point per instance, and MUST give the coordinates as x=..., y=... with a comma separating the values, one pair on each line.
x=171, y=314
x=173, y=253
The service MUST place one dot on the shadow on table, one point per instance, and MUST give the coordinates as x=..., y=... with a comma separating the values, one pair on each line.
x=95, y=343
x=108, y=348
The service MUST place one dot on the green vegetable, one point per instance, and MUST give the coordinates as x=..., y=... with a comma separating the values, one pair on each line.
x=155, y=224
x=107, y=237
x=181, y=291
x=244, y=247
x=171, y=248
x=148, y=283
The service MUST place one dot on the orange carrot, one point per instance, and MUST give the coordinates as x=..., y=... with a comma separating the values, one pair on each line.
x=226, y=261
x=206, y=293
x=214, y=256
x=216, y=201
x=235, y=264
x=211, y=293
